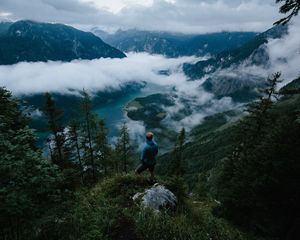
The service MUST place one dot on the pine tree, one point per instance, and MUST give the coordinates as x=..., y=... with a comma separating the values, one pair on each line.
x=89, y=127
x=116, y=159
x=178, y=168
x=74, y=141
x=102, y=147
x=290, y=6
x=123, y=147
x=28, y=183
x=54, y=117
x=259, y=111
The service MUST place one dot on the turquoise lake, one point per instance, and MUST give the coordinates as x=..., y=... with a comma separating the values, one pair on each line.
x=113, y=112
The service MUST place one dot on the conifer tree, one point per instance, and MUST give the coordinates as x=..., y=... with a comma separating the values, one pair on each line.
x=116, y=159
x=89, y=126
x=123, y=147
x=102, y=147
x=290, y=6
x=74, y=139
x=54, y=117
x=28, y=183
x=259, y=111
x=178, y=168
x=257, y=182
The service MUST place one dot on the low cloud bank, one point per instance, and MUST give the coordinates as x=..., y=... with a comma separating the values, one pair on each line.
x=93, y=75
x=70, y=78
x=283, y=56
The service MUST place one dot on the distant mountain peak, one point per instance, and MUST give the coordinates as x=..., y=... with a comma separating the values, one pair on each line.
x=172, y=44
x=27, y=40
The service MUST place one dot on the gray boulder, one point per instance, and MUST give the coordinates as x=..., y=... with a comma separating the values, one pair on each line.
x=156, y=198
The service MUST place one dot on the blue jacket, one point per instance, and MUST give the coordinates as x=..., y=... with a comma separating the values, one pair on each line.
x=149, y=153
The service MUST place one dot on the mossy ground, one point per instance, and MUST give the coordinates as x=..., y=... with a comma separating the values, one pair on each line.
x=107, y=211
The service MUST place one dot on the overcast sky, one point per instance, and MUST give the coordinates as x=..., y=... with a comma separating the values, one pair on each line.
x=188, y=16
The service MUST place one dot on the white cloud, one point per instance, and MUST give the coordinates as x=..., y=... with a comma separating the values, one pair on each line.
x=116, y=6
x=189, y=16
x=102, y=74
x=199, y=103
x=93, y=75
x=284, y=57
x=5, y=15
x=137, y=131
x=201, y=16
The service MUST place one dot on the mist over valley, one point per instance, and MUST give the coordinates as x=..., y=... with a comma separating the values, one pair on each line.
x=225, y=82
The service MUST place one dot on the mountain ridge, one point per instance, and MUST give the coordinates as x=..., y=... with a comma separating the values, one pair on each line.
x=173, y=44
x=32, y=41
x=223, y=72
x=228, y=58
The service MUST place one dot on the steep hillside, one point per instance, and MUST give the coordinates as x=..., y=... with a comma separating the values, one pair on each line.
x=250, y=164
x=254, y=51
x=208, y=144
x=33, y=41
x=224, y=75
x=4, y=26
x=292, y=87
x=217, y=137
x=175, y=44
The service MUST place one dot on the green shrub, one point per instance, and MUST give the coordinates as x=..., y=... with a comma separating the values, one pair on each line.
x=163, y=226
x=89, y=217
x=121, y=188
x=201, y=225
x=178, y=186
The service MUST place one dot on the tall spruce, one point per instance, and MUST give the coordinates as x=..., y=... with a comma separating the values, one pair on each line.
x=178, y=165
x=259, y=111
x=89, y=126
x=54, y=117
x=116, y=159
x=123, y=147
x=102, y=147
x=74, y=141
x=29, y=184
x=290, y=7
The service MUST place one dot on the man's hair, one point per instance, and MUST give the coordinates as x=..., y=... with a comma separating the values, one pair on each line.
x=149, y=136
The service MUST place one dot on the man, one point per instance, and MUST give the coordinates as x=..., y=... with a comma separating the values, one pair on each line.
x=148, y=158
